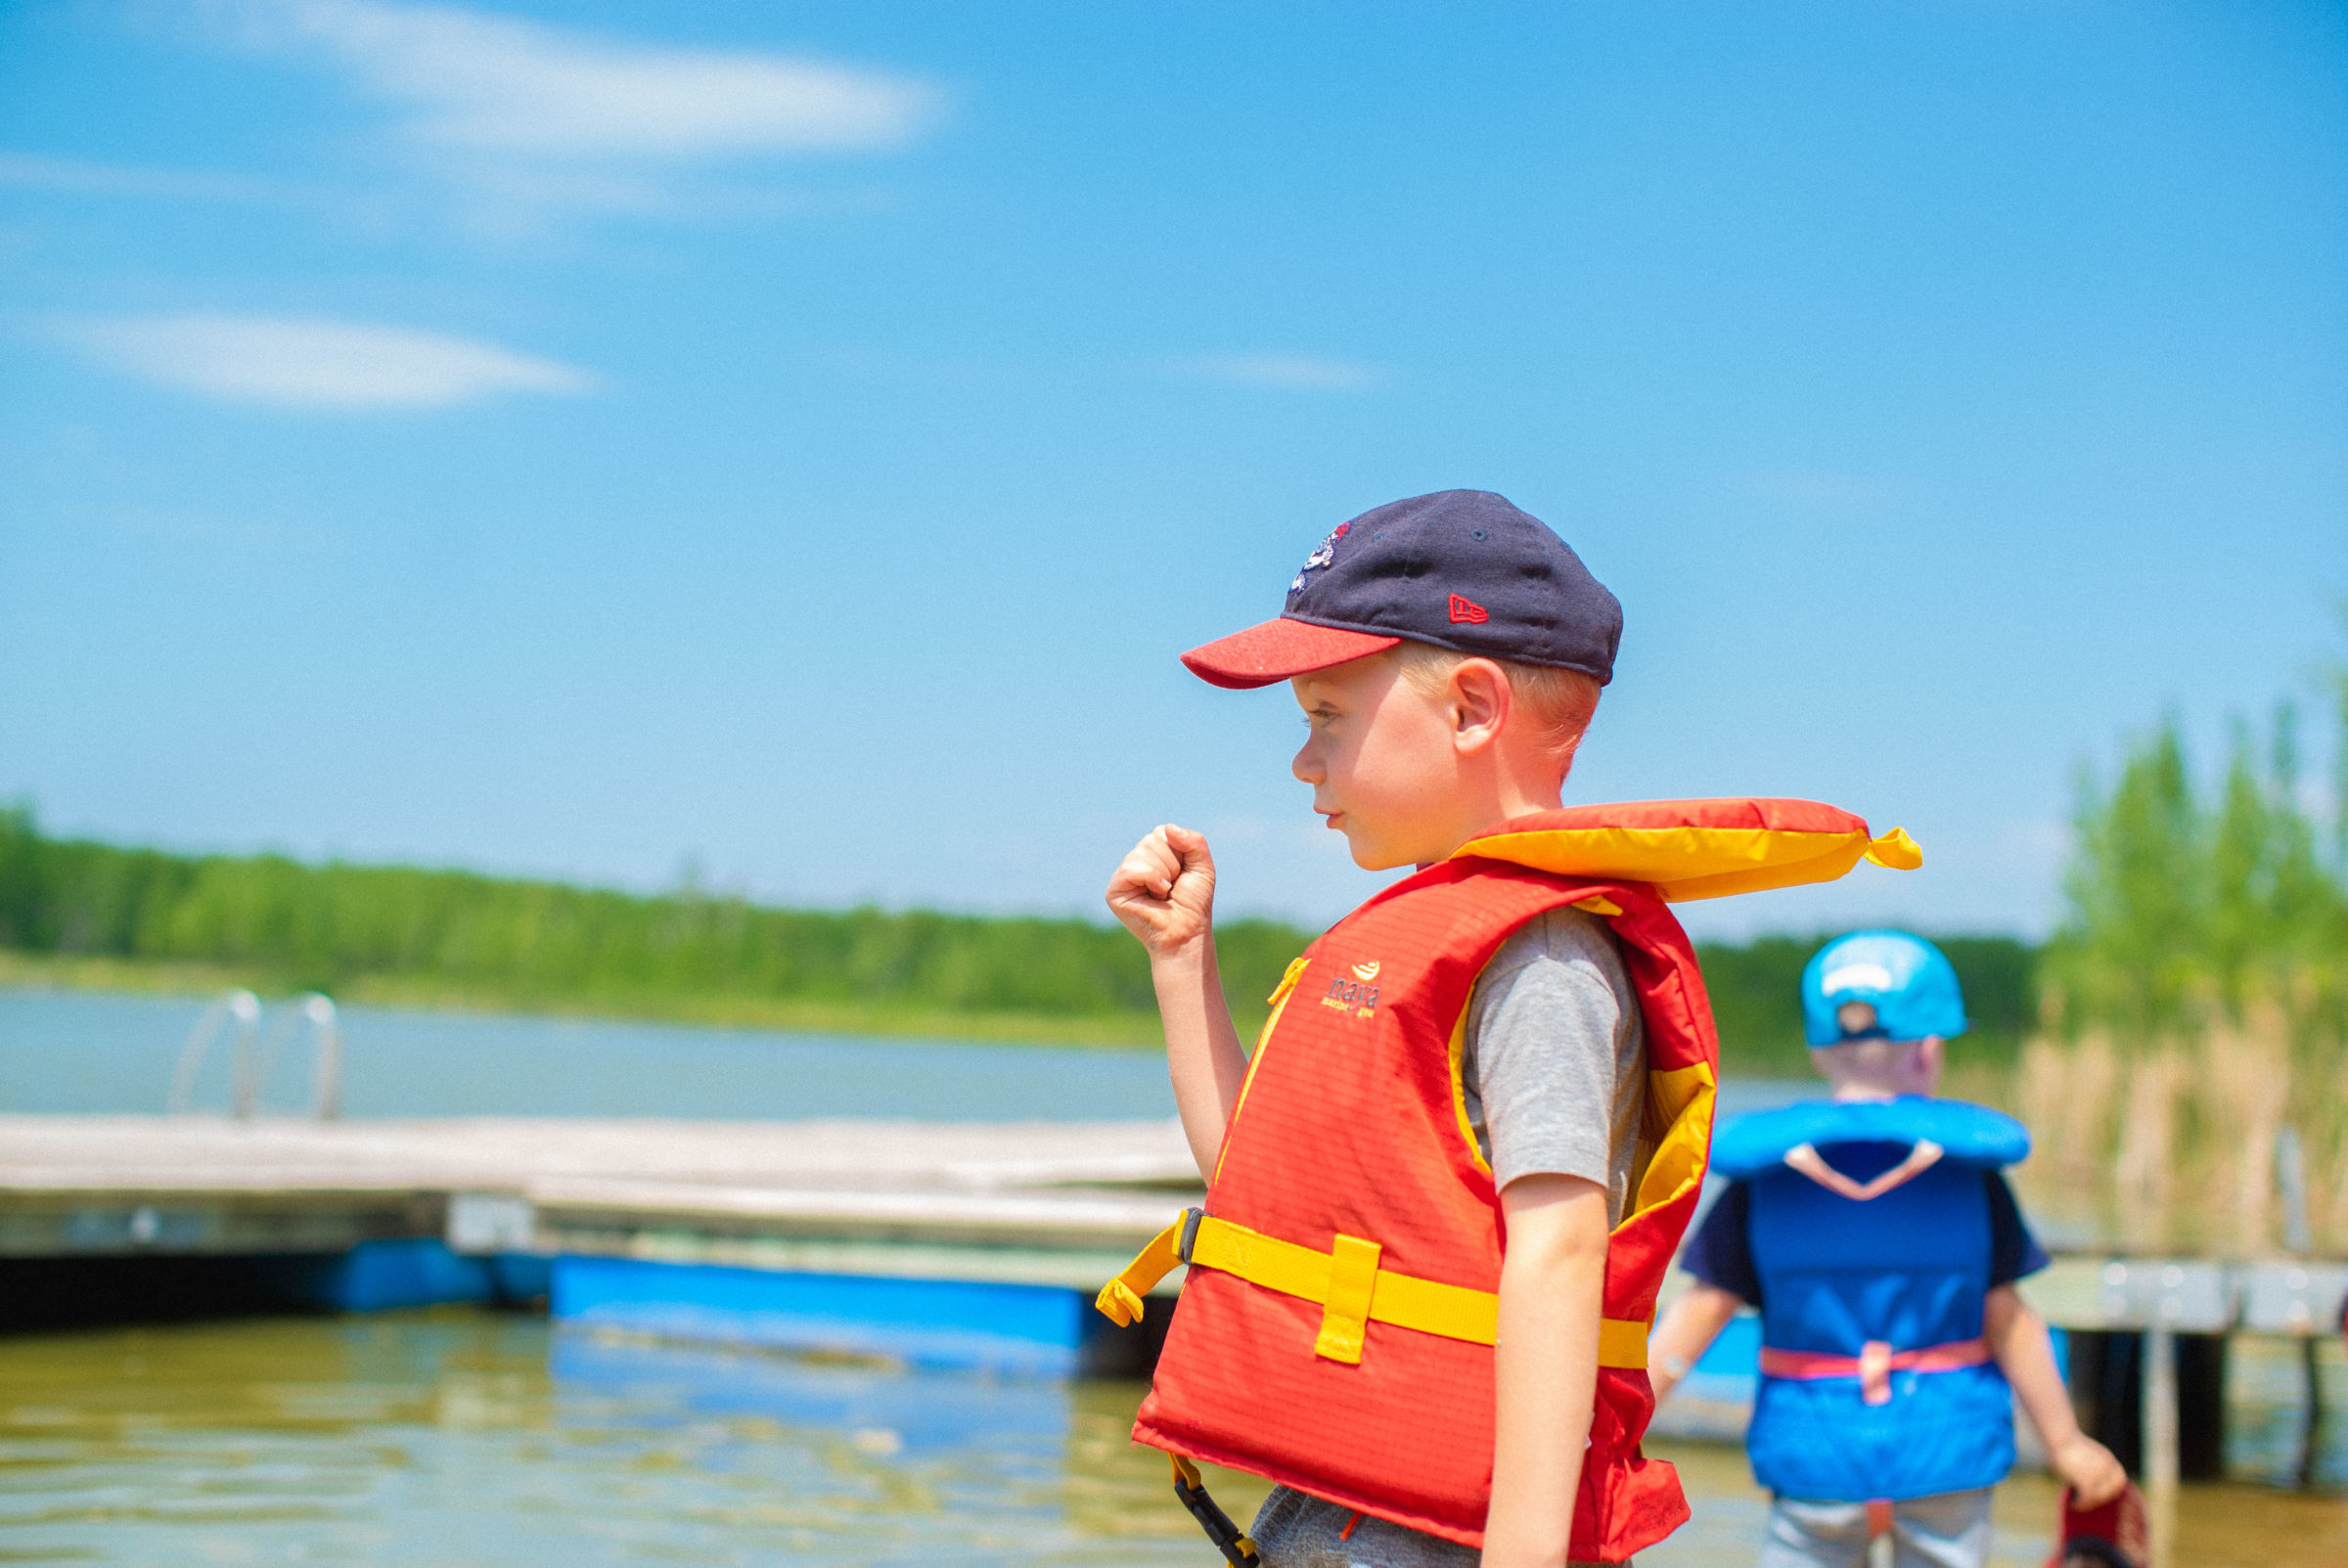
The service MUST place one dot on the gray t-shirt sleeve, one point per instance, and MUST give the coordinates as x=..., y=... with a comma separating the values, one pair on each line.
x=1554, y=1068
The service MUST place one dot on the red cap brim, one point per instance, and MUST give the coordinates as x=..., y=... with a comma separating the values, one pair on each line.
x=1277, y=650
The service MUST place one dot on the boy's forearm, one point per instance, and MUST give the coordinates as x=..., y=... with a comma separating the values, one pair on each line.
x=2019, y=1340
x=1545, y=1373
x=1203, y=1055
x=1686, y=1332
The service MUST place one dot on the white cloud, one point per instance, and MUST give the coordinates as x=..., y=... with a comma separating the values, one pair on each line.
x=31, y=171
x=470, y=80
x=1302, y=372
x=298, y=362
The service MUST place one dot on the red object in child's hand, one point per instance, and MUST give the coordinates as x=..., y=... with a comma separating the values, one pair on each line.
x=2113, y=1536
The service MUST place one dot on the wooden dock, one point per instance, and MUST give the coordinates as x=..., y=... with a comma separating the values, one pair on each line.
x=760, y=1208
x=1042, y=1202
x=717, y=1192
x=963, y=1242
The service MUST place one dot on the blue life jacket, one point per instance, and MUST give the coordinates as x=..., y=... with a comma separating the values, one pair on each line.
x=1906, y=1268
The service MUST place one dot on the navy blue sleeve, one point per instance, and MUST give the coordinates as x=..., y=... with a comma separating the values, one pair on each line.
x=2013, y=1252
x=1720, y=1253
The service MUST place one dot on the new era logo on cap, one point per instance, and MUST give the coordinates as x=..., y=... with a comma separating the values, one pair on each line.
x=1462, y=569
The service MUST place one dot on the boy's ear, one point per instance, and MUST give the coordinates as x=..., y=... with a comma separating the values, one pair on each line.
x=1480, y=700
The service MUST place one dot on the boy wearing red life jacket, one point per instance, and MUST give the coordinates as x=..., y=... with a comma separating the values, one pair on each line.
x=1881, y=1244
x=1443, y=1190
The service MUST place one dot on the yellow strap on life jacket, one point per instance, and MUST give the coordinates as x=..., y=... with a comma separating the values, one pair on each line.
x=1120, y=1300
x=1455, y=1311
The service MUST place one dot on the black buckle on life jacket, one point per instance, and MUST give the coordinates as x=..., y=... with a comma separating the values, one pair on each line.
x=1238, y=1550
x=1190, y=1234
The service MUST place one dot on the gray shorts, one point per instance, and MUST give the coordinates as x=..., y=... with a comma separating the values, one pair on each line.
x=1947, y=1531
x=1296, y=1530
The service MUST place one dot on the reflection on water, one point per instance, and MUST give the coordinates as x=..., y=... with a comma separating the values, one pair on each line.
x=2268, y=1410
x=457, y=1438
x=461, y=1438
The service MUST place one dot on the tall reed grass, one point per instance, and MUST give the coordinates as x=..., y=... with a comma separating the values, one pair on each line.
x=2188, y=1082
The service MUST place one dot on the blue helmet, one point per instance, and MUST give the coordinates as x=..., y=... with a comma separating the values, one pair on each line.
x=1880, y=985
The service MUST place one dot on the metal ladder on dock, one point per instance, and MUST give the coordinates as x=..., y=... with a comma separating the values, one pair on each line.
x=257, y=1050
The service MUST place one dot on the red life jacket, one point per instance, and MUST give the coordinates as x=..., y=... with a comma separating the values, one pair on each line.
x=1335, y=1326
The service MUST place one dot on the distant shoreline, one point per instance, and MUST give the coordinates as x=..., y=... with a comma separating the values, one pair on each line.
x=20, y=971
x=91, y=915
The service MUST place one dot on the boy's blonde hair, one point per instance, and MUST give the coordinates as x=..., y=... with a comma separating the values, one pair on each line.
x=1558, y=702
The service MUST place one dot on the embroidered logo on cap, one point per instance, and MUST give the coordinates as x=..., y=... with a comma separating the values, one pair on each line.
x=1466, y=612
x=1856, y=978
x=1321, y=557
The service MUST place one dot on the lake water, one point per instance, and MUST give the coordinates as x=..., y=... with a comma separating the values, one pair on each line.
x=88, y=1053
x=456, y=1437
x=460, y=1437
x=82, y=1051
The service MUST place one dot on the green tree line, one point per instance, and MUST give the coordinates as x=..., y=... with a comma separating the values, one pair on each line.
x=1756, y=999
x=391, y=930
x=392, y=933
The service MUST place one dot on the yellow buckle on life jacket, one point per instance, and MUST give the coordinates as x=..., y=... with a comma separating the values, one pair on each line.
x=1336, y=1280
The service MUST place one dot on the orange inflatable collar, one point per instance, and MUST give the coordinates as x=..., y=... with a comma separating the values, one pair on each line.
x=1691, y=849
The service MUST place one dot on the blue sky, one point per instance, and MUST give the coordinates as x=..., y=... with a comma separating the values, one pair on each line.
x=591, y=439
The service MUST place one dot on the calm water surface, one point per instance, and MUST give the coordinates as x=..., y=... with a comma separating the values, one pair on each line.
x=89, y=1053
x=83, y=1052
x=460, y=1438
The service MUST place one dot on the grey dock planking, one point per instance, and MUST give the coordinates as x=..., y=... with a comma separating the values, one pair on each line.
x=1042, y=1202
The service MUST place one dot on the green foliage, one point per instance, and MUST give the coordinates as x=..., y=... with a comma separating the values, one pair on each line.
x=2199, y=985
x=525, y=943
x=1756, y=999
x=2187, y=911
x=2135, y=894
x=281, y=924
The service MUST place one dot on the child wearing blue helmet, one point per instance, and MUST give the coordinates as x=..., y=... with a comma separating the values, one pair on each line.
x=1879, y=1242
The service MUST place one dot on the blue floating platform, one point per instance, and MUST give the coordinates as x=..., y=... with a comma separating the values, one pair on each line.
x=404, y=1271
x=1734, y=1354
x=1035, y=1329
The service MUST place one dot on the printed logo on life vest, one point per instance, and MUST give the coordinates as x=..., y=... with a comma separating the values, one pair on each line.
x=1356, y=996
x=1467, y=612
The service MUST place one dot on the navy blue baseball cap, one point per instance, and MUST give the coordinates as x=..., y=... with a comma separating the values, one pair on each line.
x=1462, y=569
x=1880, y=985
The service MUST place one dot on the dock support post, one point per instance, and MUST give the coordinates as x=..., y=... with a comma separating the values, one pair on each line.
x=2310, y=1441
x=2160, y=1441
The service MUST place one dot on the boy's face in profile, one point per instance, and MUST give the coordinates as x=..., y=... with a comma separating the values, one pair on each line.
x=1382, y=761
